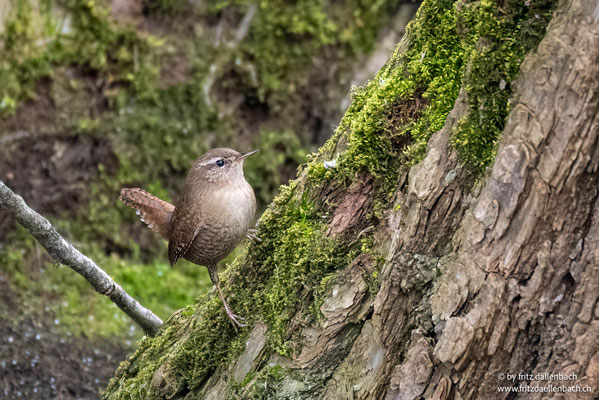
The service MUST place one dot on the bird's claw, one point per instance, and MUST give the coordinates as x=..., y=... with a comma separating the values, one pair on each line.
x=234, y=321
x=252, y=234
x=233, y=318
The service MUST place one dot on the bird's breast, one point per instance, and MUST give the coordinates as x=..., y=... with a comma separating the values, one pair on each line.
x=234, y=207
x=226, y=215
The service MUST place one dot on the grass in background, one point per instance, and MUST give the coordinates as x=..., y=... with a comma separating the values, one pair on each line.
x=58, y=290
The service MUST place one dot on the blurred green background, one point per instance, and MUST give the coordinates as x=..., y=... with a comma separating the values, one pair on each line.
x=96, y=95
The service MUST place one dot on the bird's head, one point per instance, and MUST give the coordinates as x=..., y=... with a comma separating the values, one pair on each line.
x=220, y=165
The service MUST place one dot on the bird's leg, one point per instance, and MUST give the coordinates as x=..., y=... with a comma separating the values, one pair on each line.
x=232, y=317
x=252, y=234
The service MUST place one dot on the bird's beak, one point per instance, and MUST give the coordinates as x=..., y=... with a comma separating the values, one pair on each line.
x=245, y=155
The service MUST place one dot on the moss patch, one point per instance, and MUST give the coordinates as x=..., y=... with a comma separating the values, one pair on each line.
x=269, y=282
x=261, y=385
x=285, y=39
x=294, y=256
x=477, y=46
x=501, y=37
x=87, y=38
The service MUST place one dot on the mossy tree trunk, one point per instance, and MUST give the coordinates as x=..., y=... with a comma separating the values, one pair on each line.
x=375, y=279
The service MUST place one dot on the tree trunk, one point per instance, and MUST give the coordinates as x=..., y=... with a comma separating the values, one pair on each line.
x=374, y=280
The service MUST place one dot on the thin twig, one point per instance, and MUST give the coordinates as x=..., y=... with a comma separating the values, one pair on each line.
x=64, y=252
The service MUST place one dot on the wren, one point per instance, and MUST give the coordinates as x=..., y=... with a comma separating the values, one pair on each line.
x=211, y=216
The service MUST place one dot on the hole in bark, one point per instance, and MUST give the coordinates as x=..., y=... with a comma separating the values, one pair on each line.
x=516, y=299
x=568, y=280
x=183, y=392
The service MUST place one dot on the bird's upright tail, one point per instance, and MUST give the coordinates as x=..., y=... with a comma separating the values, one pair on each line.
x=154, y=212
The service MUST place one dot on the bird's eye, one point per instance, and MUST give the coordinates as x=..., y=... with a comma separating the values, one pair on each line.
x=220, y=163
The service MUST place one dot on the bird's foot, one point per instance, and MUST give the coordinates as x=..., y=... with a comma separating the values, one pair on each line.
x=234, y=319
x=252, y=234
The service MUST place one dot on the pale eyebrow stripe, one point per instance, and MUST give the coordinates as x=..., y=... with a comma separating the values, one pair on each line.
x=210, y=161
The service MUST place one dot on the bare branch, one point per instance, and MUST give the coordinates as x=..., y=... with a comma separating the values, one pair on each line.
x=64, y=252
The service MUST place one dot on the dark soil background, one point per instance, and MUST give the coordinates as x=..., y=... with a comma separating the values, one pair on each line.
x=39, y=360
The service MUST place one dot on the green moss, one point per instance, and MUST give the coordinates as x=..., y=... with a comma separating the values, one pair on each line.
x=430, y=63
x=285, y=37
x=263, y=384
x=21, y=61
x=269, y=282
x=117, y=53
x=150, y=349
x=477, y=46
x=501, y=37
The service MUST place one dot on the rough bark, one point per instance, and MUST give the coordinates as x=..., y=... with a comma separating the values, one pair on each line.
x=478, y=281
x=518, y=291
x=63, y=252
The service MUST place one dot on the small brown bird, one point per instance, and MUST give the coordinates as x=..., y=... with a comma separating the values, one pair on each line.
x=212, y=215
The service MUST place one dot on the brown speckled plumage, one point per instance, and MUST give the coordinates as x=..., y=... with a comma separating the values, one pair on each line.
x=154, y=212
x=212, y=215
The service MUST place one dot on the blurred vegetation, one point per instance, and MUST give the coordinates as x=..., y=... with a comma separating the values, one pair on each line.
x=161, y=88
